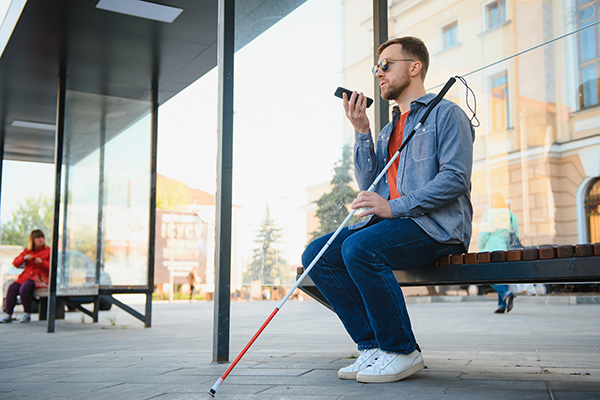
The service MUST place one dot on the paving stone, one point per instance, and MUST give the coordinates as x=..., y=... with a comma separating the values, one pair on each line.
x=543, y=346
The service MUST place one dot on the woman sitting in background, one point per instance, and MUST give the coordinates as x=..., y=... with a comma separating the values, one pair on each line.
x=36, y=261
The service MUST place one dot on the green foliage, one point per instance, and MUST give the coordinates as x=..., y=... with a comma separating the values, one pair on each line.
x=331, y=207
x=33, y=213
x=172, y=195
x=266, y=264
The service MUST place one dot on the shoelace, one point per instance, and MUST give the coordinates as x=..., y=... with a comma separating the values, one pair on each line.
x=382, y=359
x=365, y=354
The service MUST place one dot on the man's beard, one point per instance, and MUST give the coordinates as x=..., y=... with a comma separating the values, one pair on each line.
x=393, y=91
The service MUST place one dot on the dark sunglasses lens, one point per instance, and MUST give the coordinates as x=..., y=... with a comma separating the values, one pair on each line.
x=384, y=65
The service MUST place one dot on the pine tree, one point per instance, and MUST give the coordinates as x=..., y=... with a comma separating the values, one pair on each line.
x=266, y=264
x=331, y=207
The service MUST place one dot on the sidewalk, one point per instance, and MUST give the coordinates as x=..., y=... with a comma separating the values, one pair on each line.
x=538, y=351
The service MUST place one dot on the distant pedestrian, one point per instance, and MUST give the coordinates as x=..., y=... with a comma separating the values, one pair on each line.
x=35, y=260
x=191, y=278
x=499, y=227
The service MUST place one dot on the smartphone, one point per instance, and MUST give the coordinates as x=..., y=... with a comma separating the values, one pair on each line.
x=340, y=90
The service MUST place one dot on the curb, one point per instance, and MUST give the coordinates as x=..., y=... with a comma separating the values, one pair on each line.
x=523, y=299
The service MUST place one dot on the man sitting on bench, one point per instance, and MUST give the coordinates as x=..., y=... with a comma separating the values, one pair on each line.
x=422, y=211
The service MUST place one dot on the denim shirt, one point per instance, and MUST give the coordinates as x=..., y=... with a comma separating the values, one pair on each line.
x=434, y=171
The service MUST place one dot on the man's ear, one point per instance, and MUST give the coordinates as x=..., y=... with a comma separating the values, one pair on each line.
x=416, y=68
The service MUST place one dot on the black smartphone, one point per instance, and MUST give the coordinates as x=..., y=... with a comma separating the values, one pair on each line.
x=340, y=90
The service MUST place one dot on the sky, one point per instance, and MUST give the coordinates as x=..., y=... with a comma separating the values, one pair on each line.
x=287, y=129
x=287, y=125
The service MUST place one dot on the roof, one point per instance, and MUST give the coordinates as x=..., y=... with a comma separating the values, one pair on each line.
x=111, y=54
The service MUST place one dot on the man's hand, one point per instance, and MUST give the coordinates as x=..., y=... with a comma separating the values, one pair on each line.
x=375, y=204
x=356, y=111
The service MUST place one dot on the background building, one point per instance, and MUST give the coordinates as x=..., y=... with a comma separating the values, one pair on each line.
x=533, y=67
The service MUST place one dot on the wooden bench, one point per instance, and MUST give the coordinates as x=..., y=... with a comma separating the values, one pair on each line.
x=544, y=264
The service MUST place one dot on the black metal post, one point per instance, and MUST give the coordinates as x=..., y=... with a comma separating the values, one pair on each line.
x=58, y=160
x=152, y=219
x=380, y=35
x=226, y=41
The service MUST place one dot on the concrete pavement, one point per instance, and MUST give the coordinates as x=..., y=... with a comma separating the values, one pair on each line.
x=541, y=350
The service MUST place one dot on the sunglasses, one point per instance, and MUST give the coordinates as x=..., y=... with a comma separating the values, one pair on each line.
x=385, y=64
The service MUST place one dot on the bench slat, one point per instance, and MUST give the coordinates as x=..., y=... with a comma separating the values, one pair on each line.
x=584, y=250
x=91, y=290
x=546, y=253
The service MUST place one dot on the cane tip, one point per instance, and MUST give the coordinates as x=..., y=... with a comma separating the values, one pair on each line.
x=212, y=392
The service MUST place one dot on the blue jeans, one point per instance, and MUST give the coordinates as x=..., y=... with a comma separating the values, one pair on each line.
x=356, y=277
x=502, y=294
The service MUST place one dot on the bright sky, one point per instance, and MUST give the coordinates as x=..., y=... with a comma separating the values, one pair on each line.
x=287, y=129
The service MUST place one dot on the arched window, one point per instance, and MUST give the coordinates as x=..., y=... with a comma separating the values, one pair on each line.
x=592, y=211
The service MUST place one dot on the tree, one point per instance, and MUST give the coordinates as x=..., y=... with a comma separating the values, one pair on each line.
x=266, y=263
x=33, y=213
x=331, y=207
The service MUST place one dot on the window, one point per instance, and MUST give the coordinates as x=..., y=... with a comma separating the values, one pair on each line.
x=450, y=35
x=495, y=14
x=588, y=54
x=499, y=102
x=592, y=211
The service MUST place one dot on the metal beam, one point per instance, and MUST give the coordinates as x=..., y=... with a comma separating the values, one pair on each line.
x=380, y=35
x=226, y=43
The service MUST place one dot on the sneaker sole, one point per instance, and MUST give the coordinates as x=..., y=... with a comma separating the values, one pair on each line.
x=347, y=375
x=392, y=377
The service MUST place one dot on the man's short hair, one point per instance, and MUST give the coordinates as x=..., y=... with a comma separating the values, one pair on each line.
x=412, y=47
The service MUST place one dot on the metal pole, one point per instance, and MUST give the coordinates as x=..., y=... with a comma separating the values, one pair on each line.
x=152, y=219
x=380, y=35
x=58, y=160
x=225, y=40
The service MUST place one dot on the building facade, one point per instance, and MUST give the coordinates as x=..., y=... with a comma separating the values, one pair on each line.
x=533, y=67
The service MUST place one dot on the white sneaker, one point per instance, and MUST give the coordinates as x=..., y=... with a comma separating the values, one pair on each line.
x=390, y=367
x=26, y=318
x=365, y=358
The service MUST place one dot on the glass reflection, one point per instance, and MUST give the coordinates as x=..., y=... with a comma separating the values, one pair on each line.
x=104, y=205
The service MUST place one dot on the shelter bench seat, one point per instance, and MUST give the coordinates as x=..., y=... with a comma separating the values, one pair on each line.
x=63, y=297
x=544, y=264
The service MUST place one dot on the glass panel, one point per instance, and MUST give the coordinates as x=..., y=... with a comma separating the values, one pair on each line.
x=126, y=203
x=106, y=188
x=499, y=102
x=587, y=44
x=537, y=161
x=289, y=132
x=79, y=208
x=589, y=87
x=185, y=197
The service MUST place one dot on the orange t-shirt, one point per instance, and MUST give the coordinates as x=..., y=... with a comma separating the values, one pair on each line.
x=393, y=146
